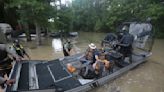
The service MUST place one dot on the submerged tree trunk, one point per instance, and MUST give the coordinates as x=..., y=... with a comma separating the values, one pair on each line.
x=38, y=34
x=27, y=31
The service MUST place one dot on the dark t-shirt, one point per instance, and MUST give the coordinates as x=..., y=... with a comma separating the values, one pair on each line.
x=127, y=39
x=95, y=52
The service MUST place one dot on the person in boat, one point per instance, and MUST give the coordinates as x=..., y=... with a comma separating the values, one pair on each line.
x=102, y=66
x=4, y=82
x=88, y=72
x=6, y=55
x=103, y=59
x=67, y=48
x=91, y=54
x=19, y=49
x=125, y=43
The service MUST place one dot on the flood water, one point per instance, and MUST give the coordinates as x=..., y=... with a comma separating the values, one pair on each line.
x=148, y=77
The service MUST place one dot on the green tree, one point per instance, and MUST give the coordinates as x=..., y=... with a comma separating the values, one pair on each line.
x=35, y=12
x=106, y=15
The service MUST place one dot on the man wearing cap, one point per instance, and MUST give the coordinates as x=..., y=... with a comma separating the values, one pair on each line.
x=92, y=48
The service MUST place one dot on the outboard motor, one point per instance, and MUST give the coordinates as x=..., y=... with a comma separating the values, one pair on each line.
x=110, y=40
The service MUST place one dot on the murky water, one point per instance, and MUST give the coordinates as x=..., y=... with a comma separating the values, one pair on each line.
x=148, y=77
x=46, y=51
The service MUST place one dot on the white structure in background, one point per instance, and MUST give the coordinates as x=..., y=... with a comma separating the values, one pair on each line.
x=57, y=45
x=63, y=2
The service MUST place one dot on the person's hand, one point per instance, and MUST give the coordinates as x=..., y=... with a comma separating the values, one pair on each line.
x=10, y=82
x=18, y=58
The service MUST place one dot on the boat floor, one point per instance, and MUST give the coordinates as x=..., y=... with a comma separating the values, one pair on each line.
x=53, y=74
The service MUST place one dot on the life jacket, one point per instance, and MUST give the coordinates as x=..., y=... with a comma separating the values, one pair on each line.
x=18, y=47
x=106, y=63
x=103, y=59
x=71, y=69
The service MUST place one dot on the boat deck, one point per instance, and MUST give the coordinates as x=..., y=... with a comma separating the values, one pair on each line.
x=53, y=74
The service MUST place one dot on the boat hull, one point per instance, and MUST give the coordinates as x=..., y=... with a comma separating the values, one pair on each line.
x=34, y=76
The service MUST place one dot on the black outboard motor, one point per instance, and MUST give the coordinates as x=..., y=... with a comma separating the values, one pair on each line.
x=110, y=39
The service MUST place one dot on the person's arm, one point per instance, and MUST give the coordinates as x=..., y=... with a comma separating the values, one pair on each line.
x=25, y=53
x=7, y=82
x=66, y=48
x=27, y=56
x=120, y=43
x=9, y=51
x=97, y=56
x=125, y=45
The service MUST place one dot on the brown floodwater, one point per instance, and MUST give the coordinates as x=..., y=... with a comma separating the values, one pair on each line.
x=148, y=77
x=46, y=51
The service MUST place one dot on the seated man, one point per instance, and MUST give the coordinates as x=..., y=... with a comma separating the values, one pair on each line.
x=87, y=58
x=91, y=55
x=19, y=49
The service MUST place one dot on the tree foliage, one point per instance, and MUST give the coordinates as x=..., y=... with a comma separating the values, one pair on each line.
x=106, y=15
x=33, y=10
x=90, y=15
x=36, y=12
